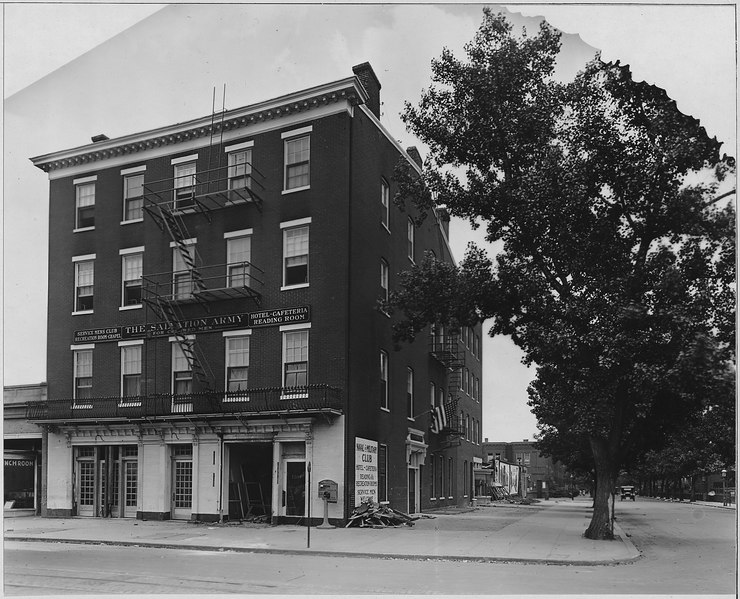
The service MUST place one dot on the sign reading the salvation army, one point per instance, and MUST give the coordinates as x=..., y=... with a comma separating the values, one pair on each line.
x=263, y=318
x=366, y=470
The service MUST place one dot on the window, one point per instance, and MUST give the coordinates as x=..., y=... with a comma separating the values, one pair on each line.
x=131, y=269
x=297, y=156
x=383, y=380
x=410, y=231
x=526, y=458
x=183, y=261
x=133, y=197
x=434, y=478
x=384, y=268
x=83, y=372
x=238, y=257
x=131, y=370
x=382, y=472
x=184, y=185
x=450, y=488
x=84, y=284
x=385, y=196
x=182, y=373
x=464, y=373
x=432, y=394
x=85, y=206
x=467, y=426
x=240, y=169
x=237, y=363
x=295, y=256
x=465, y=478
x=295, y=358
x=409, y=394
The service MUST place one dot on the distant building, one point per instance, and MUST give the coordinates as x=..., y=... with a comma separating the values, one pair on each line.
x=22, y=451
x=542, y=476
x=215, y=337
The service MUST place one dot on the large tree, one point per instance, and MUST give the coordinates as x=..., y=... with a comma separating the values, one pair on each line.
x=616, y=273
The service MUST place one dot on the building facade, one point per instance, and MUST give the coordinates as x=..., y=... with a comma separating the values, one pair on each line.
x=22, y=448
x=216, y=343
x=540, y=475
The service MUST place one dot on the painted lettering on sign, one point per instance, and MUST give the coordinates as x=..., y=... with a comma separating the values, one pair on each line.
x=262, y=318
x=19, y=463
x=366, y=470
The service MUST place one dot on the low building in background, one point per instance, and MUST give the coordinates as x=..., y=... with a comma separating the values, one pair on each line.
x=22, y=449
x=541, y=476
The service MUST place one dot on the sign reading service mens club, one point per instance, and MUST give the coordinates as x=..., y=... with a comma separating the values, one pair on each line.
x=245, y=320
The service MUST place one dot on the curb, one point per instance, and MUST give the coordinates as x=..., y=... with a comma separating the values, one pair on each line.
x=311, y=552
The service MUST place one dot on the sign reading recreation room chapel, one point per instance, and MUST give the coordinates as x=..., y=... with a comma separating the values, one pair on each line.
x=246, y=320
x=366, y=470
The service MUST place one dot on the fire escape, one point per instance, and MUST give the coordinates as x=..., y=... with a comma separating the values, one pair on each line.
x=167, y=202
x=447, y=349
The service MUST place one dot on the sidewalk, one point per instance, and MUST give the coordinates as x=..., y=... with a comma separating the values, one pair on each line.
x=547, y=532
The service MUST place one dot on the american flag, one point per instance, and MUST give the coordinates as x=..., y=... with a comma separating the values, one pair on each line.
x=442, y=416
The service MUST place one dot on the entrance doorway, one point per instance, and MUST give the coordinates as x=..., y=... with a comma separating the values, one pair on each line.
x=106, y=481
x=413, y=493
x=182, y=482
x=250, y=480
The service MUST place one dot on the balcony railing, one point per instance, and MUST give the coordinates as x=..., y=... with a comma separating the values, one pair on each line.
x=283, y=401
x=447, y=351
x=215, y=282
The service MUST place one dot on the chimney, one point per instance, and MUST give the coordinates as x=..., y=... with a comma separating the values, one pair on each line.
x=364, y=72
x=415, y=156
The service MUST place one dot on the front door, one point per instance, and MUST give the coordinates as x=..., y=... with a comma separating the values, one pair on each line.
x=414, y=491
x=85, y=487
x=182, y=482
x=294, y=488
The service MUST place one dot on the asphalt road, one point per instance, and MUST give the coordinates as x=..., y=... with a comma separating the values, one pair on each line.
x=686, y=550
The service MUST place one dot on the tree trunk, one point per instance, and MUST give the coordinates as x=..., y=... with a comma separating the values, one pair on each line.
x=600, y=527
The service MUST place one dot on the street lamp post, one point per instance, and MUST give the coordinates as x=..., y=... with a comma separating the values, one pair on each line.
x=724, y=486
x=571, y=487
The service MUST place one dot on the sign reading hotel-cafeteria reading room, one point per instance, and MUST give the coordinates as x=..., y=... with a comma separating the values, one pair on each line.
x=366, y=470
x=263, y=318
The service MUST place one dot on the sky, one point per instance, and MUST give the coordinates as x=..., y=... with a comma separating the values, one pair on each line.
x=72, y=71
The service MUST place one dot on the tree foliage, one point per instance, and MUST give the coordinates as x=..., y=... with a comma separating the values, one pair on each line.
x=617, y=272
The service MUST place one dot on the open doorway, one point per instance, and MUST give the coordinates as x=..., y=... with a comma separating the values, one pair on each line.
x=249, y=480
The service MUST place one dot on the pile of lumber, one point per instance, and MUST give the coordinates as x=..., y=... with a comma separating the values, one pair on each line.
x=374, y=515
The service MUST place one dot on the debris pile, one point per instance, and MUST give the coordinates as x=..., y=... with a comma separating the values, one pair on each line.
x=373, y=515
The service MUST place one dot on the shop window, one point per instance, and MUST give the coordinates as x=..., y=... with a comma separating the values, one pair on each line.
x=383, y=380
x=297, y=163
x=85, y=206
x=133, y=197
x=131, y=268
x=295, y=256
x=295, y=358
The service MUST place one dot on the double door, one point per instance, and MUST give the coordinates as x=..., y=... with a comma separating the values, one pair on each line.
x=106, y=481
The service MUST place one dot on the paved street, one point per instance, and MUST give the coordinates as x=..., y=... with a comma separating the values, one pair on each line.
x=685, y=550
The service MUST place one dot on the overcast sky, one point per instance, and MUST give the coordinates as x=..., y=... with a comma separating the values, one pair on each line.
x=73, y=71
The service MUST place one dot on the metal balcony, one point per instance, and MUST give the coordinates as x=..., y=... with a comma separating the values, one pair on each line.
x=205, y=191
x=213, y=282
x=272, y=401
x=447, y=351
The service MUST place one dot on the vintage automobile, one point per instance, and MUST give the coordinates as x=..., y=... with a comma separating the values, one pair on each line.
x=626, y=492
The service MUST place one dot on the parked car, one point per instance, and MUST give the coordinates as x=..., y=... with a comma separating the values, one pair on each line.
x=626, y=492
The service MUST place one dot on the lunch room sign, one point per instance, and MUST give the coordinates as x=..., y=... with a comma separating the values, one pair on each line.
x=244, y=320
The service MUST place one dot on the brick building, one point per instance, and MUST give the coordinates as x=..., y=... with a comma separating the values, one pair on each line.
x=214, y=336
x=541, y=475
